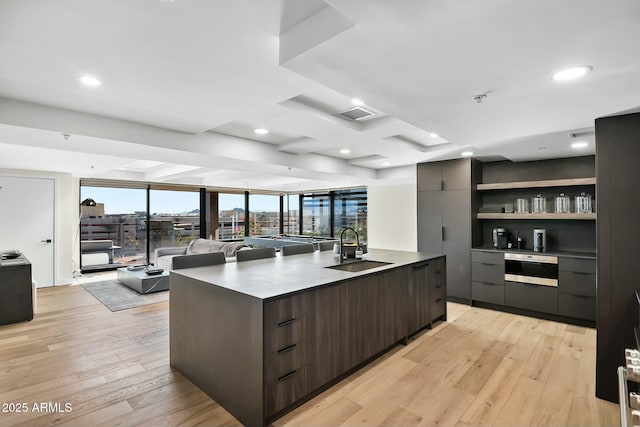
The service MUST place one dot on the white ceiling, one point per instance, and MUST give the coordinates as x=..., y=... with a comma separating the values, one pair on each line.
x=186, y=82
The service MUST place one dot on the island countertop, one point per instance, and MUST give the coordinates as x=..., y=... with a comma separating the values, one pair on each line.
x=275, y=277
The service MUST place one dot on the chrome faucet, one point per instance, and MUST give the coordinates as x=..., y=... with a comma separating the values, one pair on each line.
x=343, y=255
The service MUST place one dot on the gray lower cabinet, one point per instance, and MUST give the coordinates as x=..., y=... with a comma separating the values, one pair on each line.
x=531, y=297
x=487, y=277
x=577, y=288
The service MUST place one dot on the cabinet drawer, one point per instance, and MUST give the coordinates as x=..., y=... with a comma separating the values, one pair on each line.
x=285, y=360
x=577, y=283
x=436, y=290
x=284, y=334
x=485, y=272
x=577, y=264
x=487, y=257
x=581, y=307
x=488, y=292
x=437, y=307
x=285, y=390
x=282, y=309
x=531, y=297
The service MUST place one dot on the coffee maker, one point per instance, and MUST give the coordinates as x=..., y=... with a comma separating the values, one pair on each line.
x=500, y=238
x=539, y=240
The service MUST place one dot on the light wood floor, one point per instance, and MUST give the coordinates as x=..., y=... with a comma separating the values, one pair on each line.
x=481, y=368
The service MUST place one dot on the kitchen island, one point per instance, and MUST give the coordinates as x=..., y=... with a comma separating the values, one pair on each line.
x=262, y=336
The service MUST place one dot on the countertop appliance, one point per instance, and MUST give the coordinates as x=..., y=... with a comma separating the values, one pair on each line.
x=500, y=238
x=530, y=268
x=539, y=240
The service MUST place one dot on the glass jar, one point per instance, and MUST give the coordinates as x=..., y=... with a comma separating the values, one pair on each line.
x=539, y=204
x=522, y=206
x=583, y=203
x=563, y=204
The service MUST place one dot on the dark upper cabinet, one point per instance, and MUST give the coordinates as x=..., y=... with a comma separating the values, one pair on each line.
x=445, y=175
x=617, y=229
x=456, y=174
x=429, y=176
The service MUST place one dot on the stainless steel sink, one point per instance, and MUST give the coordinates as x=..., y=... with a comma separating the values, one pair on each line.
x=354, y=266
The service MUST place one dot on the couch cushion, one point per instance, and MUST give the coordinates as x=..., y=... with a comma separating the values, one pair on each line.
x=201, y=246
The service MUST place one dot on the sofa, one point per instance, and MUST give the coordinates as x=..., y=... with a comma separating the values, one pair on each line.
x=164, y=256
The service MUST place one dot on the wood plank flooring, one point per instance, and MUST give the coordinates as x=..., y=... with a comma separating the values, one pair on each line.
x=481, y=368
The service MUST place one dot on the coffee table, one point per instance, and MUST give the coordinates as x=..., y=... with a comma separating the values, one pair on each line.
x=142, y=282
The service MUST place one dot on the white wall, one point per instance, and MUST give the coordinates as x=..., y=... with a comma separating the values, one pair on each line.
x=392, y=217
x=66, y=213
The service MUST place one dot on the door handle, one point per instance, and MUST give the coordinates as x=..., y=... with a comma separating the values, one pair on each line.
x=46, y=241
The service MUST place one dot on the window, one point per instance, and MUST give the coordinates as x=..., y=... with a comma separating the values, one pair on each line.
x=230, y=216
x=113, y=232
x=174, y=218
x=264, y=214
x=291, y=214
x=316, y=215
x=350, y=210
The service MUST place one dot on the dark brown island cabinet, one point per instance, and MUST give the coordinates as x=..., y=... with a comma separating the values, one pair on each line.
x=261, y=337
x=618, y=230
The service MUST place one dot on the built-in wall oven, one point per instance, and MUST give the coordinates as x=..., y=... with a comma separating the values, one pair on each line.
x=532, y=269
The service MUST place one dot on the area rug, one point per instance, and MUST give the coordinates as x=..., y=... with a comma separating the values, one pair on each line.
x=117, y=296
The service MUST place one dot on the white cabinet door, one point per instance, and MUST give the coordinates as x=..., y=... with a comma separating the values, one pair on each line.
x=27, y=222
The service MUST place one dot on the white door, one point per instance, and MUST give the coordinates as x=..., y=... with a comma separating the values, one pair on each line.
x=27, y=222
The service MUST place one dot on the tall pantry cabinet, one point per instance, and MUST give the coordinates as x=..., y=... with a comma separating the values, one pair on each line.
x=618, y=234
x=446, y=200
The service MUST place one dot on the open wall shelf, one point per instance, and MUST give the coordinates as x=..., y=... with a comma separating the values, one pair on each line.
x=537, y=184
x=572, y=216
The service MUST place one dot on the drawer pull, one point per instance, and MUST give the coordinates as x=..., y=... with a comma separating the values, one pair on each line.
x=438, y=286
x=287, y=376
x=582, y=273
x=288, y=348
x=287, y=322
x=439, y=272
x=487, y=263
x=581, y=296
x=438, y=300
x=421, y=265
x=489, y=283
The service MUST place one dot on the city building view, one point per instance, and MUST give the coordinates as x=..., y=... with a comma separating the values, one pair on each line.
x=116, y=228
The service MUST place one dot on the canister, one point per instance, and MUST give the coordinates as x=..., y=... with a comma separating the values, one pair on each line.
x=563, y=203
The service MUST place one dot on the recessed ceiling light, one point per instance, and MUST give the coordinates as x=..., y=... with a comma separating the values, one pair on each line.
x=572, y=73
x=466, y=153
x=386, y=163
x=357, y=102
x=261, y=131
x=88, y=80
x=580, y=144
x=345, y=151
x=433, y=135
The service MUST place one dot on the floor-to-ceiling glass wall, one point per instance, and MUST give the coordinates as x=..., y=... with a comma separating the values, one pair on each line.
x=350, y=210
x=174, y=217
x=291, y=213
x=316, y=215
x=264, y=214
x=112, y=226
x=231, y=215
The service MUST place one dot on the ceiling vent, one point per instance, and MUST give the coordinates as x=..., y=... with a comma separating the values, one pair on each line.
x=356, y=113
x=581, y=134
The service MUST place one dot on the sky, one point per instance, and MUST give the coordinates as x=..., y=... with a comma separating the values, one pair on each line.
x=129, y=200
